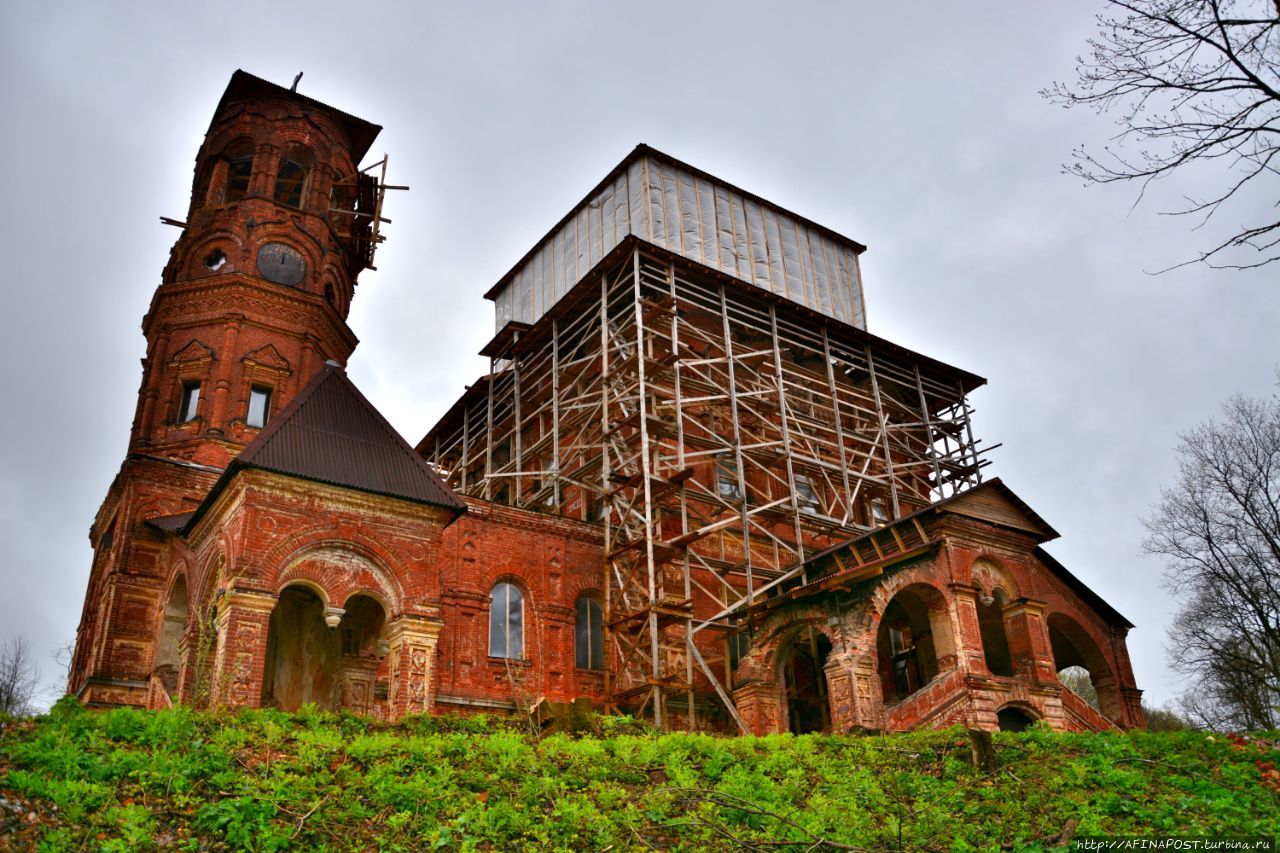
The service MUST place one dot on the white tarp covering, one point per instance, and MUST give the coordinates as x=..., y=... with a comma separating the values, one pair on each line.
x=702, y=220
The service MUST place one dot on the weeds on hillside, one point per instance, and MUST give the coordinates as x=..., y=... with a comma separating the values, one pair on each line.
x=265, y=780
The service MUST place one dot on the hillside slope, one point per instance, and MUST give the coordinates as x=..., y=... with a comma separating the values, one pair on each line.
x=263, y=780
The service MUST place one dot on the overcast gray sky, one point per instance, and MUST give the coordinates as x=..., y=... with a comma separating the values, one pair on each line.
x=913, y=128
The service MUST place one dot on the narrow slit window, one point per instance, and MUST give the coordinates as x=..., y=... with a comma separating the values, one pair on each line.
x=190, y=402
x=589, y=635
x=739, y=646
x=259, y=407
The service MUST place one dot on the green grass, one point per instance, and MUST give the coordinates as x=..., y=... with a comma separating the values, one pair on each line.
x=264, y=780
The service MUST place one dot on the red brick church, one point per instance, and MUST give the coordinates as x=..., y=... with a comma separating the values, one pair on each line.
x=691, y=486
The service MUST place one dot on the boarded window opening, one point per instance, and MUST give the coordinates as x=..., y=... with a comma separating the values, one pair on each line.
x=239, y=170
x=292, y=177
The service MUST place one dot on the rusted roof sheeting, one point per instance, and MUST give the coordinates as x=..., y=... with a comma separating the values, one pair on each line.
x=671, y=204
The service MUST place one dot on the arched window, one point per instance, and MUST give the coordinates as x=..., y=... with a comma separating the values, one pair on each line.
x=292, y=177
x=506, y=622
x=588, y=635
x=239, y=169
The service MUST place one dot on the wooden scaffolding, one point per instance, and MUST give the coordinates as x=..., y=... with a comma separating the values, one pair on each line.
x=718, y=434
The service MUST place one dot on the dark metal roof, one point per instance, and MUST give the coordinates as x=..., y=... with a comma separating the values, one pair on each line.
x=331, y=433
x=245, y=86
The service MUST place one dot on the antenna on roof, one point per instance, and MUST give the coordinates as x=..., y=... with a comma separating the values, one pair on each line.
x=294, y=87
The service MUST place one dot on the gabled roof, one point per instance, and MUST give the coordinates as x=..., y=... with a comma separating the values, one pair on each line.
x=996, y=503
x=331, y=433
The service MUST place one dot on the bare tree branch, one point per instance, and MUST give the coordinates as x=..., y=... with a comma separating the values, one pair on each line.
x=1219, y=532
x=1191, y=82
x=19, y=677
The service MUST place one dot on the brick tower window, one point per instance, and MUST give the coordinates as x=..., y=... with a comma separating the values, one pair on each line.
x=292, y=177
x=259, y=406
x=190, y=402
x=588, y=635
x=506, y=622
x=239, y=169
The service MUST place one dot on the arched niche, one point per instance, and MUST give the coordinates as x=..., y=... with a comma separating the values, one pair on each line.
x=1015, y=718
x=914, y=641
x=995, y=636
x=997, y=589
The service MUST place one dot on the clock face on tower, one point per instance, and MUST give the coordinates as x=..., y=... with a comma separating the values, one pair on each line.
x=281, y=263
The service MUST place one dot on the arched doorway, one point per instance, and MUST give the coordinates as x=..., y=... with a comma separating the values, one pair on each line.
x=303, y=653
x=804, y=681
x=914, y=641
x=1011, y=718
x=1082, y=667
x=168, y=645
x=310, y=661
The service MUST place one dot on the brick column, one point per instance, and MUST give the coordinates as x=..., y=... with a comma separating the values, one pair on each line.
x=760, y=706
x=413, y=649
x=1029, y=641
x=853, y=690
x=969, y=653
x=1135, y=718
x=243, y=621
x=220, y=381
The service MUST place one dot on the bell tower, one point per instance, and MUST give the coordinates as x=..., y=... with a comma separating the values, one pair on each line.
x=252, y=302
x=258, y=286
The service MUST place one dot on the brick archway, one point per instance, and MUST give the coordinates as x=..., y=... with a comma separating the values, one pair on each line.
x=914, y=640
